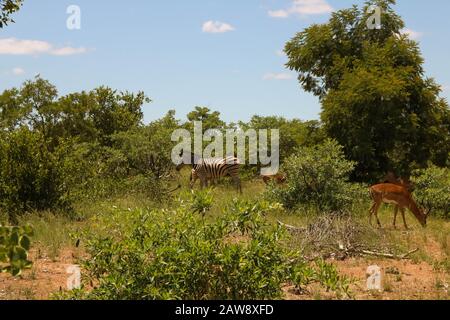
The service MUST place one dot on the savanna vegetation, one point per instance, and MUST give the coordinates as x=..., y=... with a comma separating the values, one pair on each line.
x=83, y=180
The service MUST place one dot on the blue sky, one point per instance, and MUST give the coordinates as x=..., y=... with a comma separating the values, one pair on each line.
x=224, y=54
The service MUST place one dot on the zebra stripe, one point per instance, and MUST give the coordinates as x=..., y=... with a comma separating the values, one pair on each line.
x=214, y=169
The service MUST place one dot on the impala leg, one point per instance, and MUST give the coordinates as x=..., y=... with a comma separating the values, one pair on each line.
x=371, y=213
x=404, y=218
x=375, y=212
x=395, y=217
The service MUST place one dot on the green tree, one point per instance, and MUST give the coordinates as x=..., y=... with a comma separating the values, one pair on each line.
x=7, y=8
x=293, y=133
x=210, y=119
x=115, y=112
x=377, y=101
x=89, y=116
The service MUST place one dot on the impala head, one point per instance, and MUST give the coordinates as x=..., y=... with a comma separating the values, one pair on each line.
x=424, y=214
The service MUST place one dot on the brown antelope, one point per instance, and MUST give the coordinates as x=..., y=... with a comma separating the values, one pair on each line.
x=405, y=182
x=278, y=178
x=398, y=195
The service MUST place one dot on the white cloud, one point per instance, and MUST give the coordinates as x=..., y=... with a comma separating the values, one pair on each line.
x=68, y=51
x=303, y=8
x=13, y=46
x=414, y=35
x=277, y=76
x=18, y=71
x=280, y=53
x=217, y=27
x=279, y=13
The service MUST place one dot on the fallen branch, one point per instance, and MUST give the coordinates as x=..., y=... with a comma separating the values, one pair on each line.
x=387, y=255
x=291, y=228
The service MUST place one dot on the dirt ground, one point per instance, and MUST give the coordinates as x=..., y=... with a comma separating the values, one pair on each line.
x=47, y=276
x=402, y=280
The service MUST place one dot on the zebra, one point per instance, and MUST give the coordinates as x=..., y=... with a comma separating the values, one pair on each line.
x=213, y=169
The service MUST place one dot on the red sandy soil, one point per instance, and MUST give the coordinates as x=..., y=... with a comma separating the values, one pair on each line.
x=402, y=280
x=45, y=277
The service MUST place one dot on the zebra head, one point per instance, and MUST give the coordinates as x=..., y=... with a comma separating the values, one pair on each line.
x=188, y=158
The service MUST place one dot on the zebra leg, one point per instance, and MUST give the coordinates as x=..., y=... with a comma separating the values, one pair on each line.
x=203, y=182
x=237, y=182
x=193, y=179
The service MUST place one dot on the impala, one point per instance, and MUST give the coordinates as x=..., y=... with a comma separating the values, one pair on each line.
x=391, y=177
x=398, y=195
x=278, y=178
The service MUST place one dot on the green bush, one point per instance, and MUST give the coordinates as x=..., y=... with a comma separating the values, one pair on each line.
x=432, y=189
x=31, y=175
x=174, y=254
x=98, y=172
x=202, y=201
x=317, y=177
x=14, y=247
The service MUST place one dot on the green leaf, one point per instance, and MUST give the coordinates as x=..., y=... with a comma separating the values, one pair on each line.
x=25, y=242
x=28, y=230
x=19, y=254
x=14, y=239
x=15, y=271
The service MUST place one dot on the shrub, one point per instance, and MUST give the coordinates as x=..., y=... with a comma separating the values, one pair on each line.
x=14, y=247
x=97, y=172
x=432, y=189
x=202, y=201
x=317, y=177
x=174, y=254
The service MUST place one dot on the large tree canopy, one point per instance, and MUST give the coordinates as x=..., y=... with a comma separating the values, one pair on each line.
x=7, y=8
x=375, y=97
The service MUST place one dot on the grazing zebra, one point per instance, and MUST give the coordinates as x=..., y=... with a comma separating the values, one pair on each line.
x=213, y=169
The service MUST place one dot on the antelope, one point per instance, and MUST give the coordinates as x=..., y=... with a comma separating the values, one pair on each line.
x=405, y=182
x=391, y=177
x=278, y=178
x=398, y=195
